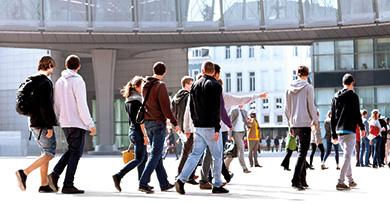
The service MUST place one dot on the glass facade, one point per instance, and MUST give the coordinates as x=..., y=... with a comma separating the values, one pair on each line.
x=186, y=15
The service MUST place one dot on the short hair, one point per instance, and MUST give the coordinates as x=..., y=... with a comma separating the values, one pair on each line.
x=363, y=112
x=348, y=79
x=303, y=71
x=72, y=62
x=159, y=68
x=186, y=80
x=217, y=69
x=208, y=67
x=46, y=62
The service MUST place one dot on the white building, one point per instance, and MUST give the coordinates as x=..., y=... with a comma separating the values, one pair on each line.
x=253, y=69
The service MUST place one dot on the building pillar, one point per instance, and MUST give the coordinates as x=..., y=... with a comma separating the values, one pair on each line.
x=104, y=62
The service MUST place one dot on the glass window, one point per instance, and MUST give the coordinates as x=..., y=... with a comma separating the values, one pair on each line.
x=324, y=48
x=384, y=10
x=238, y=52
x=71, y=14
x=366, y=96
x=320, y=13
x=365, y=56
x=266, y=119
x=113, y=13
x=281, y=13
x=324, y=96
x=344, y=55
x=357, y=11
x=239, y=82
x=200, y=15
x=228, y=84
x=157, y=14
x=265, y=103
x=324, y=63
x=382, y=54
x=252, y=81
x=251, y=51
x=227, y=52
x=22, y=14
x=279, y=118
x=295, y=51
x=241, y=13
x=383, y=95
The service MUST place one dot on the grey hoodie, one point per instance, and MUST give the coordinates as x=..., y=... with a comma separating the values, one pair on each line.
x=300, y=109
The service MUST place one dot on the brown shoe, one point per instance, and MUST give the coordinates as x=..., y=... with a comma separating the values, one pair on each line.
x=206, y=186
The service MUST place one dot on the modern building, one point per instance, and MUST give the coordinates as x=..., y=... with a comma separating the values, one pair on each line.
x=251, y=69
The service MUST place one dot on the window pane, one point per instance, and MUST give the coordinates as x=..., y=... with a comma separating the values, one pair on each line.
x=324, y=63
x=20, y=14
x=281, y=14
x=320, y=13
x=384, y=10
x=324, y=96
x=344, y=55
x=366, y=96
x=344, y=47
x=384, y=109
x=69, y=14
x=108, y=14
x=365, y=57
x=383, y=95
x=382, y=54
x=344, y=62
x=241, y=13
x=200, y=15
x=157, y=14
x=322, y=48
x=357, y=11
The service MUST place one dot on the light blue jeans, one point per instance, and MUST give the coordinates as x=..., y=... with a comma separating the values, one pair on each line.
x=203, y=138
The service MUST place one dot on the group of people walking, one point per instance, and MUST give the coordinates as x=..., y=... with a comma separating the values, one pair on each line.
x=198, y=110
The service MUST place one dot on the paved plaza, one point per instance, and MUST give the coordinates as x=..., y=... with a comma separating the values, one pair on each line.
x=270, y=184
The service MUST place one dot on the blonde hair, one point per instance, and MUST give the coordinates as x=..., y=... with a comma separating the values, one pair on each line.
x=135, y=82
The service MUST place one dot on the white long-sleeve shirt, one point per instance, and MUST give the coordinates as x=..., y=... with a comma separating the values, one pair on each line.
x=70, y=101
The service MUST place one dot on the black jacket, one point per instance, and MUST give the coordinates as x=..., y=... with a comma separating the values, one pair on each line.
x=43, y=115
x=132, y=105
x=205, y=103
x=345, y=112
x=179, y=104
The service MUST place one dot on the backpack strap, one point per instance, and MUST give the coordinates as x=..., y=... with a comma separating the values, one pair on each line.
x=148, y=93
x=39, y=136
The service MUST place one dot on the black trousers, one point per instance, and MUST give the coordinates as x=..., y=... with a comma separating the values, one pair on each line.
x=70, y=159
x=286, y=160
x=187, y=149
x=303, y=134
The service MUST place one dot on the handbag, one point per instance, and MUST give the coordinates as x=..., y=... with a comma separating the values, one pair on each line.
x=291, y=142
x=127, y=155
x=231, y=149
x=140, y=118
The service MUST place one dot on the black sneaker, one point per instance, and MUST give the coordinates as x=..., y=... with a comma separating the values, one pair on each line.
x=117, y=182
x=45, y=189
x=220, y=190
x=167, y=188
x=71, y=190
x=179, y=185
x=230, y=177
x=299, y=187
x=146, y=189
x=22, y=177
x=53, y=181
x=193, y=182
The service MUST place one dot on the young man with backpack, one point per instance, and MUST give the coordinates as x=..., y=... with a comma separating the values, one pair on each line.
x=35, y=99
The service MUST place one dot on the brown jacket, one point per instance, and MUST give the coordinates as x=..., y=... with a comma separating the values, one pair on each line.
x=252, y=130
x=158, y=104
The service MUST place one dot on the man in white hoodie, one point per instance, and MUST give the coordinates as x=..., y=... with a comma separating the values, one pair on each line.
x=74, y=118
x=302, y=115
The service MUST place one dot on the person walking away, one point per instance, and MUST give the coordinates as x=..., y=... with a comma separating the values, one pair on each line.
x=70, y=100
x=365, y=142
x=42, y=120
x=316, y=140
x=329, y=142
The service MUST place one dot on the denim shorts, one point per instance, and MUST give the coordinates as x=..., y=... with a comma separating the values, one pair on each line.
x=46, y=145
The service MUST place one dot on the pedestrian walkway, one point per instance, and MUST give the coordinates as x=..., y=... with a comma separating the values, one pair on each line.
x=269, y=183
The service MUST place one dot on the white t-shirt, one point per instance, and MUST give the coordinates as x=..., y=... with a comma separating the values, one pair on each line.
x=240, y=125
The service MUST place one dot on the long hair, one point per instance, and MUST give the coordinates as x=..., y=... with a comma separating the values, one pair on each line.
x=130, y=86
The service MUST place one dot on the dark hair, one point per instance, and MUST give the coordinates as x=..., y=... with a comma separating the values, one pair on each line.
x=217, y=69
x=208, y=67
x=303, y=71
x=72, y=62
x=159, y=68
x=186, y=80
x=348, y=79
x=220, y=81
x=46, y=62
x=364, y=112
x=136, y=81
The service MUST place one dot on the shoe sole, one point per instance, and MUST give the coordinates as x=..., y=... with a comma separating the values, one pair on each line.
x=146, y=191
x=72, y=192
x=51, y=184
x=342, y=189
x=20, y=182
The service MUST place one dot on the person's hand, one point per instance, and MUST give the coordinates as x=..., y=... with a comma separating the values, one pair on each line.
x=177, y=129
x=231, y=138
x=263, y=95
x=188, y=134
x=146, y=140
x=216, y=136
x=92, y=131
x=49, y=133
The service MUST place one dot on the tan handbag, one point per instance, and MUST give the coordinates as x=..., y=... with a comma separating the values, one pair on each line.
x=127, y=155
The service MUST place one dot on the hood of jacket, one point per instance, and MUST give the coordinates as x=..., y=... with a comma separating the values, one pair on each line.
x=67, y=73
x=297, y=85
x=181, y=95
x=342, y=94
x=149, y=81
x=134, y=96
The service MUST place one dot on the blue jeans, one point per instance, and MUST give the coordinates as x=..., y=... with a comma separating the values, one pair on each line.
x=46, y=145
x=157, y=131
x=140, y=154
x=376, y=154
x=329, y=145
x=204, y=137
x=365, y=148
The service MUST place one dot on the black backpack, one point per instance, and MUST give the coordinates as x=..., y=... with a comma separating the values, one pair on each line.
x=25, y=96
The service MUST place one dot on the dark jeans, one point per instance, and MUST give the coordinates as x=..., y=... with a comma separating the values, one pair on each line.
x=329, y=145
x=70, y=159
x=187, y=149
x=313, y=152
x=286, y=160
x=357, y=152
x=364, y=149
x=303, y=134
x=140, y=154
x=376, y=143
x=157, y=131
